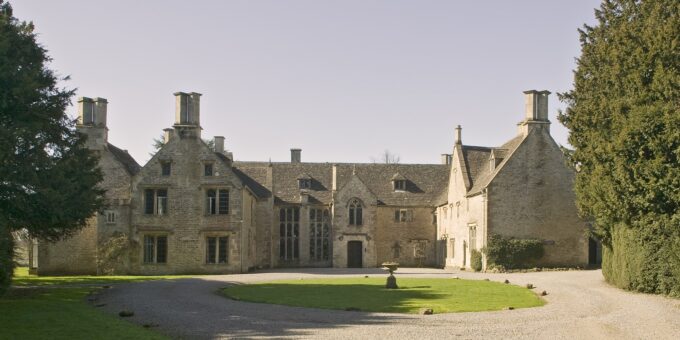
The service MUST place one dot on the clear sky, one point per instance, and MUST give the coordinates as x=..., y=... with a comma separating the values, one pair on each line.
x=342, y=80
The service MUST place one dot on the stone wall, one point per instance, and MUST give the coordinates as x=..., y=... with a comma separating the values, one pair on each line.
x=187, y=224
x=532, y=197
x=410, y=243
x=78, y=254
x=343, y=232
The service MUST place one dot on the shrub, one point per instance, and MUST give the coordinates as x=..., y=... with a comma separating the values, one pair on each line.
x=643, y=259
x=476, y=260
x=512, y=253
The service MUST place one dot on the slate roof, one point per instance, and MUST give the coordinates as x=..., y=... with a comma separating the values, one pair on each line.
x=125, y=159
x=482, y=173
x=425, y=184
x=254, y=176
x=286, y=188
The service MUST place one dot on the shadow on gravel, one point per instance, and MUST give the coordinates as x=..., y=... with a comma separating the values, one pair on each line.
x=191, y=308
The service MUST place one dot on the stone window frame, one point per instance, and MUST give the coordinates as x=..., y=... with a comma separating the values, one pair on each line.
x=152, y=250
x=472, y=236
x=110, y=216
x=220, y=254
x=396, y=250
x=319, y=234
x=304, y=183
x=399, y=185
x=160, y=203
x=355, y=211
x=221, y=205
x=166, y=168
x=403, y=215
x=289, y=233
x=208, y=169
x=452, y=243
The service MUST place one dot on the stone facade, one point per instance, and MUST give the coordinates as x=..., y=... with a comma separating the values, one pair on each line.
x=522, y=189
x=194, y=209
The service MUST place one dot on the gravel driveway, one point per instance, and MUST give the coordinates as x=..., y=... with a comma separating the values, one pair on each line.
x=580, y=306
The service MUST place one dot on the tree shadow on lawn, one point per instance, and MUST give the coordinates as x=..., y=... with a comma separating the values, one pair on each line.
x=349, y=297
x=191, y=308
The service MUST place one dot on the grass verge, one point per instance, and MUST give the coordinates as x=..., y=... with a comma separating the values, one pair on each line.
x=369, y=294
x=61, y=313
x=22, y=278
x=42, y=307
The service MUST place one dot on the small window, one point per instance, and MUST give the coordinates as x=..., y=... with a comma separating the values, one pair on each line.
x=396, y=250
x=473, y=237
x=305, y=183
x=402, y=215
x=217, y=249
x=110, y=217
x=207, y=169
x=155, y=249
x=400, y=185
x=165, y=168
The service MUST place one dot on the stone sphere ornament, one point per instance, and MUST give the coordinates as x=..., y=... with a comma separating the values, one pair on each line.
x=391, y=280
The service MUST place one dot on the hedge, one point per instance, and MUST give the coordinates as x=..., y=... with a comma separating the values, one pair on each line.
x=512, y=253
x=643, y=259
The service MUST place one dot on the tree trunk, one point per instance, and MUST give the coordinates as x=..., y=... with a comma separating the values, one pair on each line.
x=6, y=258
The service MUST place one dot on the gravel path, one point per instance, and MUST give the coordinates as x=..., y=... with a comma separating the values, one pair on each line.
x=580, y=306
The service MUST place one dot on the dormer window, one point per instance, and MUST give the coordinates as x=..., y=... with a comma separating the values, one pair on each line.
x=305, y=183
x=399, y=182
x=207, y=169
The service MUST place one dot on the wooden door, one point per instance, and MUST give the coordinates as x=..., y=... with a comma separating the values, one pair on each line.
x=355, y=252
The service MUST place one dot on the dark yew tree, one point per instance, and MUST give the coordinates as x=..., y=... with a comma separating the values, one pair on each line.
x=48, y=179
x=624, y=120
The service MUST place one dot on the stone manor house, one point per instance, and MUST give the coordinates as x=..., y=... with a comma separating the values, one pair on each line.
x=193, y=208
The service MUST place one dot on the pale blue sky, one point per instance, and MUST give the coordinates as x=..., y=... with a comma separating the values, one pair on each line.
x=343, y=80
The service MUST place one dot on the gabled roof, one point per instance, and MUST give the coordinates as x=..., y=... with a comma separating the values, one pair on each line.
x=124, y=159
x=424, y=182
x=484, y=174
x=398, y=177
x=285, y=177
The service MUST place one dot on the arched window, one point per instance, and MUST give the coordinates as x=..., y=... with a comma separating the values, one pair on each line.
x=355, y=212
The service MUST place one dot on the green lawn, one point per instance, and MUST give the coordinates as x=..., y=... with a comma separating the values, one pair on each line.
x=21, y=278
x=54, y=311
x=369, y=294
x=61, y=313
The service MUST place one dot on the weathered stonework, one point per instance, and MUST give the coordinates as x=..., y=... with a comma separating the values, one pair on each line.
x=162, y=217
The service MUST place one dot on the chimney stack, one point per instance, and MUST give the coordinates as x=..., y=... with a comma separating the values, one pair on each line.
x=536, y=105
x=85, y=111
x=446, y=159
x=295, y=155
x=458, y=133
x=167, y=135
x=219, y=144
x=187, y=108
x=92, y=121
x=535, y=112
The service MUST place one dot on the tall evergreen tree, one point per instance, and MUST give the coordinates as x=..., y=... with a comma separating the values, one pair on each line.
x=624, y=120
x=48, y=179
